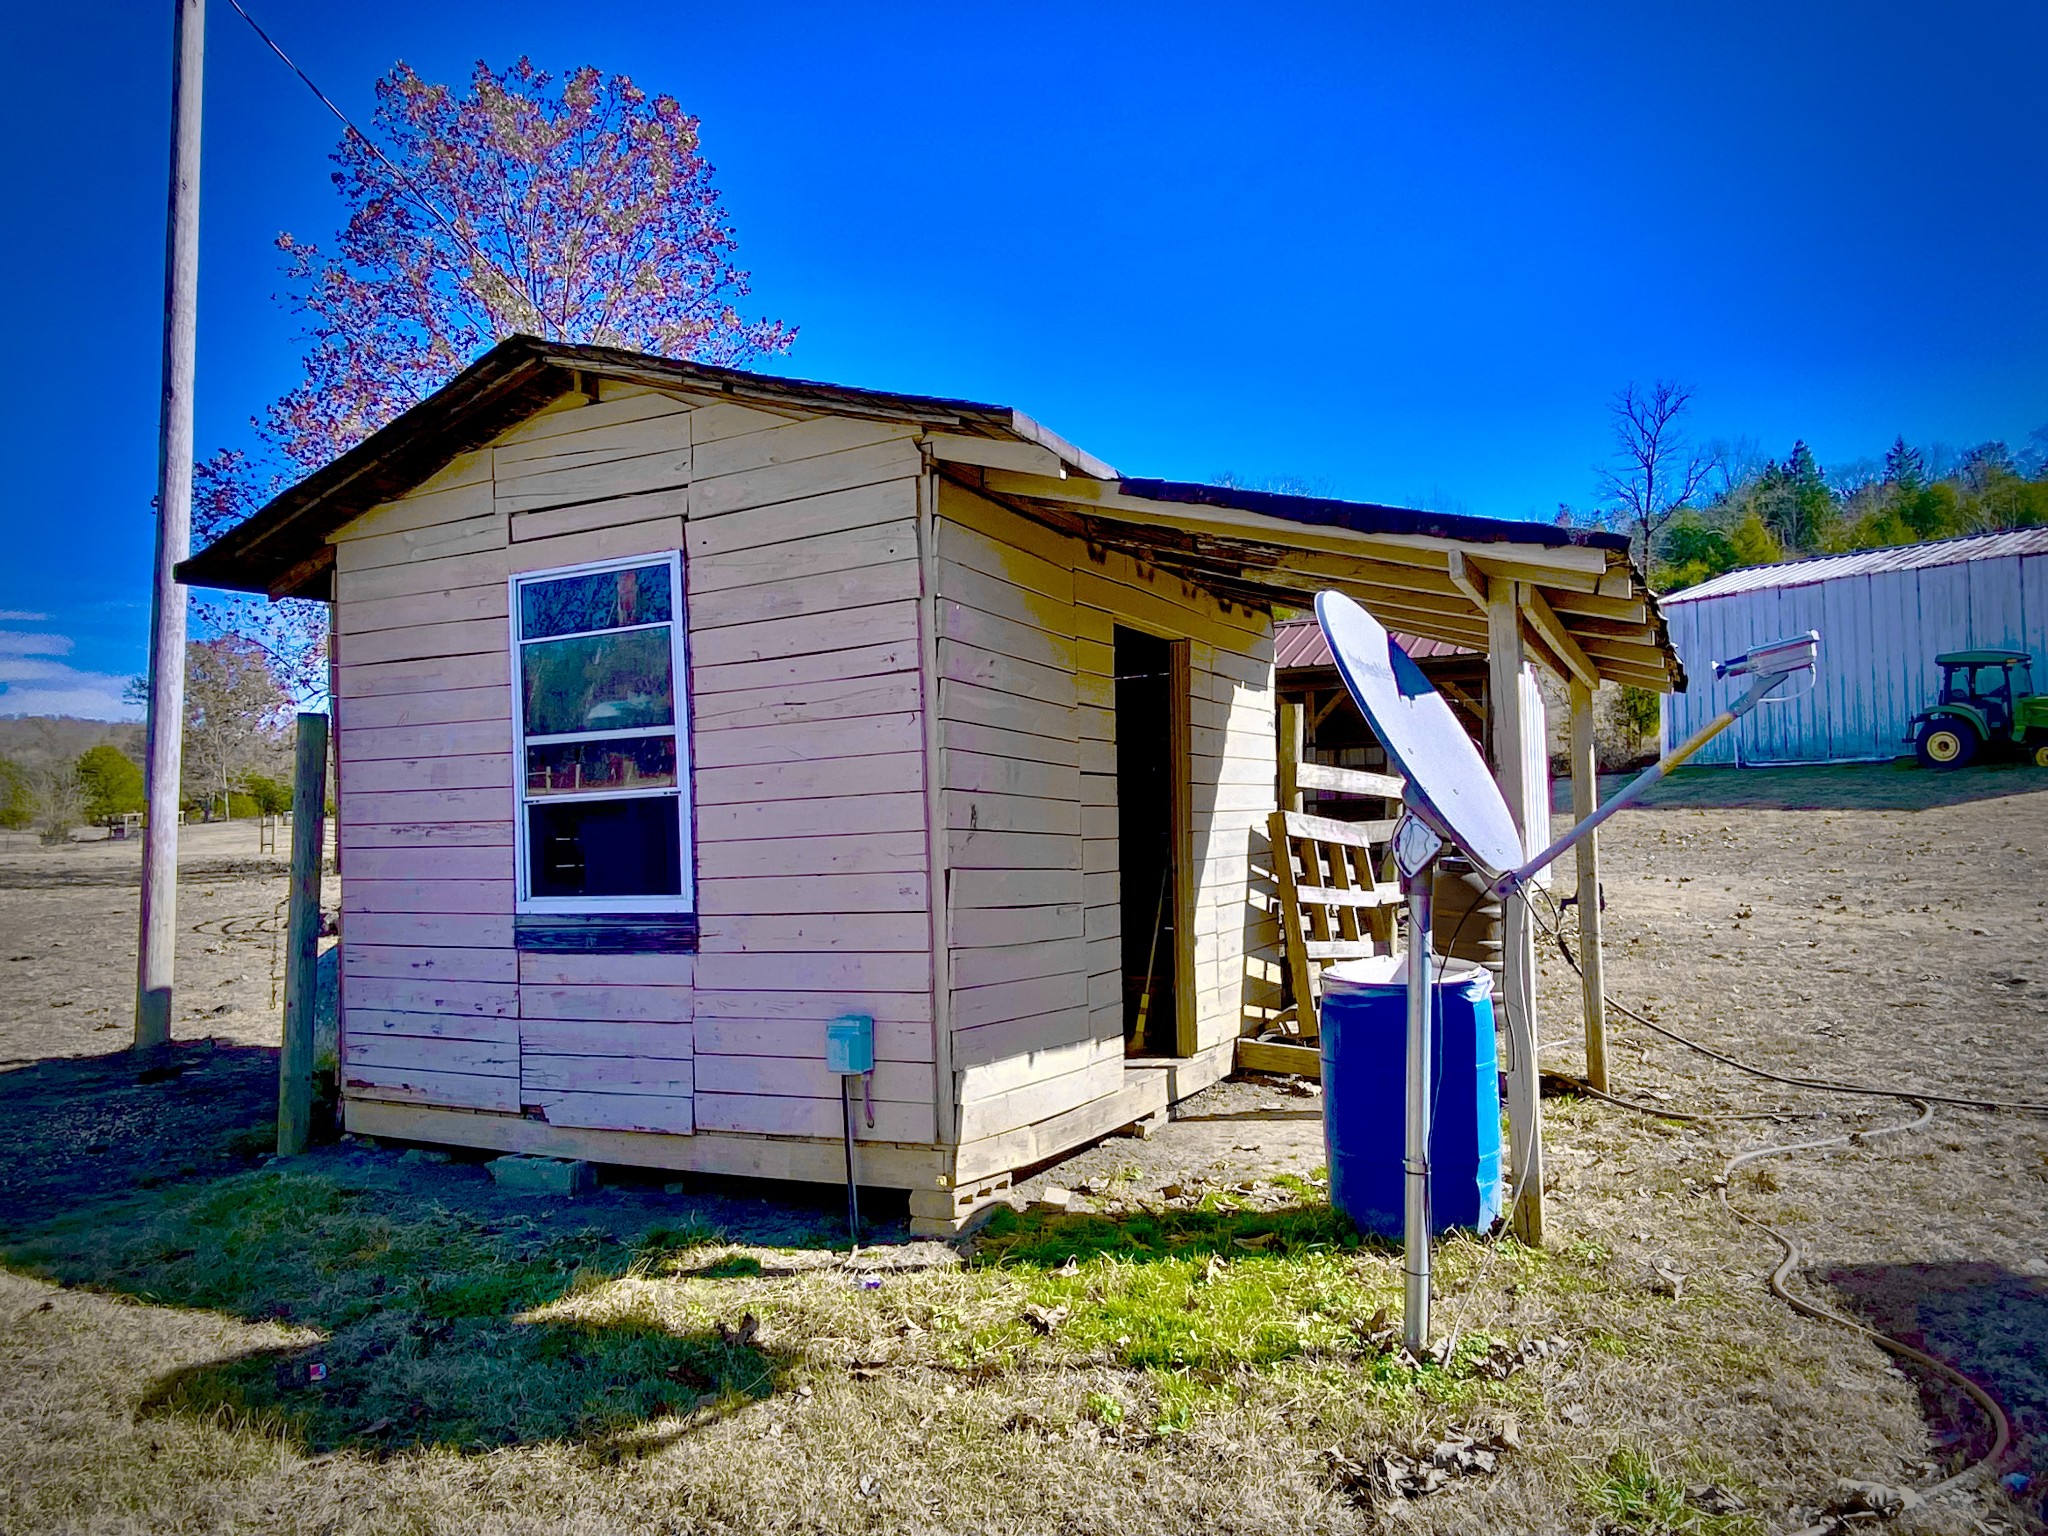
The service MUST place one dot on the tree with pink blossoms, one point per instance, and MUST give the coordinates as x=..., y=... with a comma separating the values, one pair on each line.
x=578, y=209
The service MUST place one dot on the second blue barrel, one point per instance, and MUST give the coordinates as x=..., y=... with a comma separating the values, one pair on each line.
x=1364, y=1025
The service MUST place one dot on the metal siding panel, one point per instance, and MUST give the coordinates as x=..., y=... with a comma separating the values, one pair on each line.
x=1805, y=717
x=2033, y=585
x=1944, y=610
x=1854, y=686
x=1996, y=614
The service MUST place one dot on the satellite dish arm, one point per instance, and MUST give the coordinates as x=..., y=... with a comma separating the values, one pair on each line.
x=1767, y=667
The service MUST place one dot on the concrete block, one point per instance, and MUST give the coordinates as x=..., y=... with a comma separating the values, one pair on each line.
x=543, y=1175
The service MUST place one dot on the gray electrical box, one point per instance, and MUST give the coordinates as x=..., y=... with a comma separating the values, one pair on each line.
x=850, y=1045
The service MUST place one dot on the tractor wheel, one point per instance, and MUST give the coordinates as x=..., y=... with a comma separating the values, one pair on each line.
x=1946, y=744
x=2041, y=756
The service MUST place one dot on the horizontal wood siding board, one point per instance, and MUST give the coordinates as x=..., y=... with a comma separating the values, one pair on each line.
x=361, y=1023
x=615, y=1111
x=838, y=816
x=802, y=934
x=809, y=742
x=470, y=770
x=885, y=853
x=854, y=661
x=780, y=783
x=480, y=1058
x=429, y=994
x=814, y=971
x=572, y=968
x=468, y=897
x=440, y=834
x=541, y=1075
x=666, y=933
x=771, y=1115
x=764, y=485
x=820, y=634
x=606, y=1037
x=892, y=1082
x=620, y=1001
x=903, y=892
x=407, y=961
x=783, y=1039
x=453, y=1089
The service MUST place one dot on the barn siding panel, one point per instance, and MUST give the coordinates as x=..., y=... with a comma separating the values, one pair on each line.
x=1880, y=632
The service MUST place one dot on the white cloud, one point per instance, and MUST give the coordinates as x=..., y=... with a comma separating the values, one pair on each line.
x=18, y=642
x=16, y=616
x=31, y=683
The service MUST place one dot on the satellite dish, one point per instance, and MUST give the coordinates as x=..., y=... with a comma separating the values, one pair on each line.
x=1449, y=784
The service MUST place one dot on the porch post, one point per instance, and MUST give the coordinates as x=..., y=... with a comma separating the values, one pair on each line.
x=1511, y=727
x=1586, y=800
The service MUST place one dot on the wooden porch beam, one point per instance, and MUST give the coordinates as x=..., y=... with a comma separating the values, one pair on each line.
x=1577, y=664
x=1511, y=727
x=1585, y=800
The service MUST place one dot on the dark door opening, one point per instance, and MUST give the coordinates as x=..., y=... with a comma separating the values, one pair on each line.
x=1145, y=836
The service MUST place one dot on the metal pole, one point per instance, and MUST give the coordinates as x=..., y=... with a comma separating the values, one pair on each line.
x=302, y=939
x=157, y=939
x=852, y=1189
x=1415, y=1215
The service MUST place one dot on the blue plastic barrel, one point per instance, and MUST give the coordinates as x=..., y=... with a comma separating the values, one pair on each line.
x=1365, y=1095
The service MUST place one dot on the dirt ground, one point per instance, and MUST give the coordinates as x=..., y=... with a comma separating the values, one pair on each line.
x=1867, y=924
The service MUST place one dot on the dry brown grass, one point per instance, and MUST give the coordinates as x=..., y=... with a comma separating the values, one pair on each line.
x=586, y=1368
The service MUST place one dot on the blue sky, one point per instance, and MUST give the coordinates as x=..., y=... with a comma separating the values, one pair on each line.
x=1405, y=255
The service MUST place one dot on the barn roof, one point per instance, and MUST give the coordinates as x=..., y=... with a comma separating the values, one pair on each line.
x=1582, y=604
x=1868, y=562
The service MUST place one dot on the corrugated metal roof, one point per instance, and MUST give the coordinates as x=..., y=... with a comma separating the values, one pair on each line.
x=1300, y=643
x=1863, y=562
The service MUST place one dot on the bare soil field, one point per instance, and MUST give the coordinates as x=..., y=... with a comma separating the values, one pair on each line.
x=196, y=1338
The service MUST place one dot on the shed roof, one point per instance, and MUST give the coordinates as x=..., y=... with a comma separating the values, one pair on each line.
x=1868, y=562
x=1302, y=643
x=1582, y=604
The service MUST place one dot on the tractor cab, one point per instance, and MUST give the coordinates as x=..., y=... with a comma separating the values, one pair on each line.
x=1987, y=699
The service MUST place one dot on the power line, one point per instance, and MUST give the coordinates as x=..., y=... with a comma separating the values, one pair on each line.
x=368, y=143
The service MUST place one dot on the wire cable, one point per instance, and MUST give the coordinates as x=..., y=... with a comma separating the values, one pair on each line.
x=468, y=244
x=1818, y=1084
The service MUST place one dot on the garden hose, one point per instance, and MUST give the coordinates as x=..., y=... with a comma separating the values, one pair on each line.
x=1788, y=1265
x=1792, y=1256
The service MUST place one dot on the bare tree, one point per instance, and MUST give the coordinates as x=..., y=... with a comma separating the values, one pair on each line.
x=235, y=715
x=1655, y=470
x=58, y=799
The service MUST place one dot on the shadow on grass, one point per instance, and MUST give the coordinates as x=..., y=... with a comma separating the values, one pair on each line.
x=80, y=1130
x=428, y=1325
x=436, y=1310
x=1985, y=1321
x=1901, y=785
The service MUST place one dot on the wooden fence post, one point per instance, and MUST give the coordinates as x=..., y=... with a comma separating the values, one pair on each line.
x=302, y=938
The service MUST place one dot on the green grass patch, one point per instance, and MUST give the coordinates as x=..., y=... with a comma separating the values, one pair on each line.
x=1632, y=1492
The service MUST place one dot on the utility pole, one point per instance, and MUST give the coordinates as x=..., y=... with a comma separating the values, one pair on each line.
x=156, y=957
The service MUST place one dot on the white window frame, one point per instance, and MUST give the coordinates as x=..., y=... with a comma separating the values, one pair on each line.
x=524, y=900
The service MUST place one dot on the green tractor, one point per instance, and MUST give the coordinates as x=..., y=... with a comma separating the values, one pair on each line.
x=1987, y=700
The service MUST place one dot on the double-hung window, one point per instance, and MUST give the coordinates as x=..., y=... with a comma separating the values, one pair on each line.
x=602, y=739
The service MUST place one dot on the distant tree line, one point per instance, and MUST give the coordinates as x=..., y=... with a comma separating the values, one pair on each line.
x=237, y=746
x=1694, y=512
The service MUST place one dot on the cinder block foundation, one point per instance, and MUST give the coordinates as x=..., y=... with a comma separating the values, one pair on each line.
x=543, y=1175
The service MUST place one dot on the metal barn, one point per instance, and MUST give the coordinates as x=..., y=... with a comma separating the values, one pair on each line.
x=1883, y=615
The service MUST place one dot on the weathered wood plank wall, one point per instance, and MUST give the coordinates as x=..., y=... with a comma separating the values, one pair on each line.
x=810, y=841
x=1028, y=769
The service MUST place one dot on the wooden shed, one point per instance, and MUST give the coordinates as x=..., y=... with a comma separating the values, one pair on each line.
x=681, y=710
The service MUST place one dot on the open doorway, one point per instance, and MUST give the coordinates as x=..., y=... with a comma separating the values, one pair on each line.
x=1149, y=726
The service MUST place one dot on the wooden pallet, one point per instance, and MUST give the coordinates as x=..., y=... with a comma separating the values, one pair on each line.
x=1337, y=891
